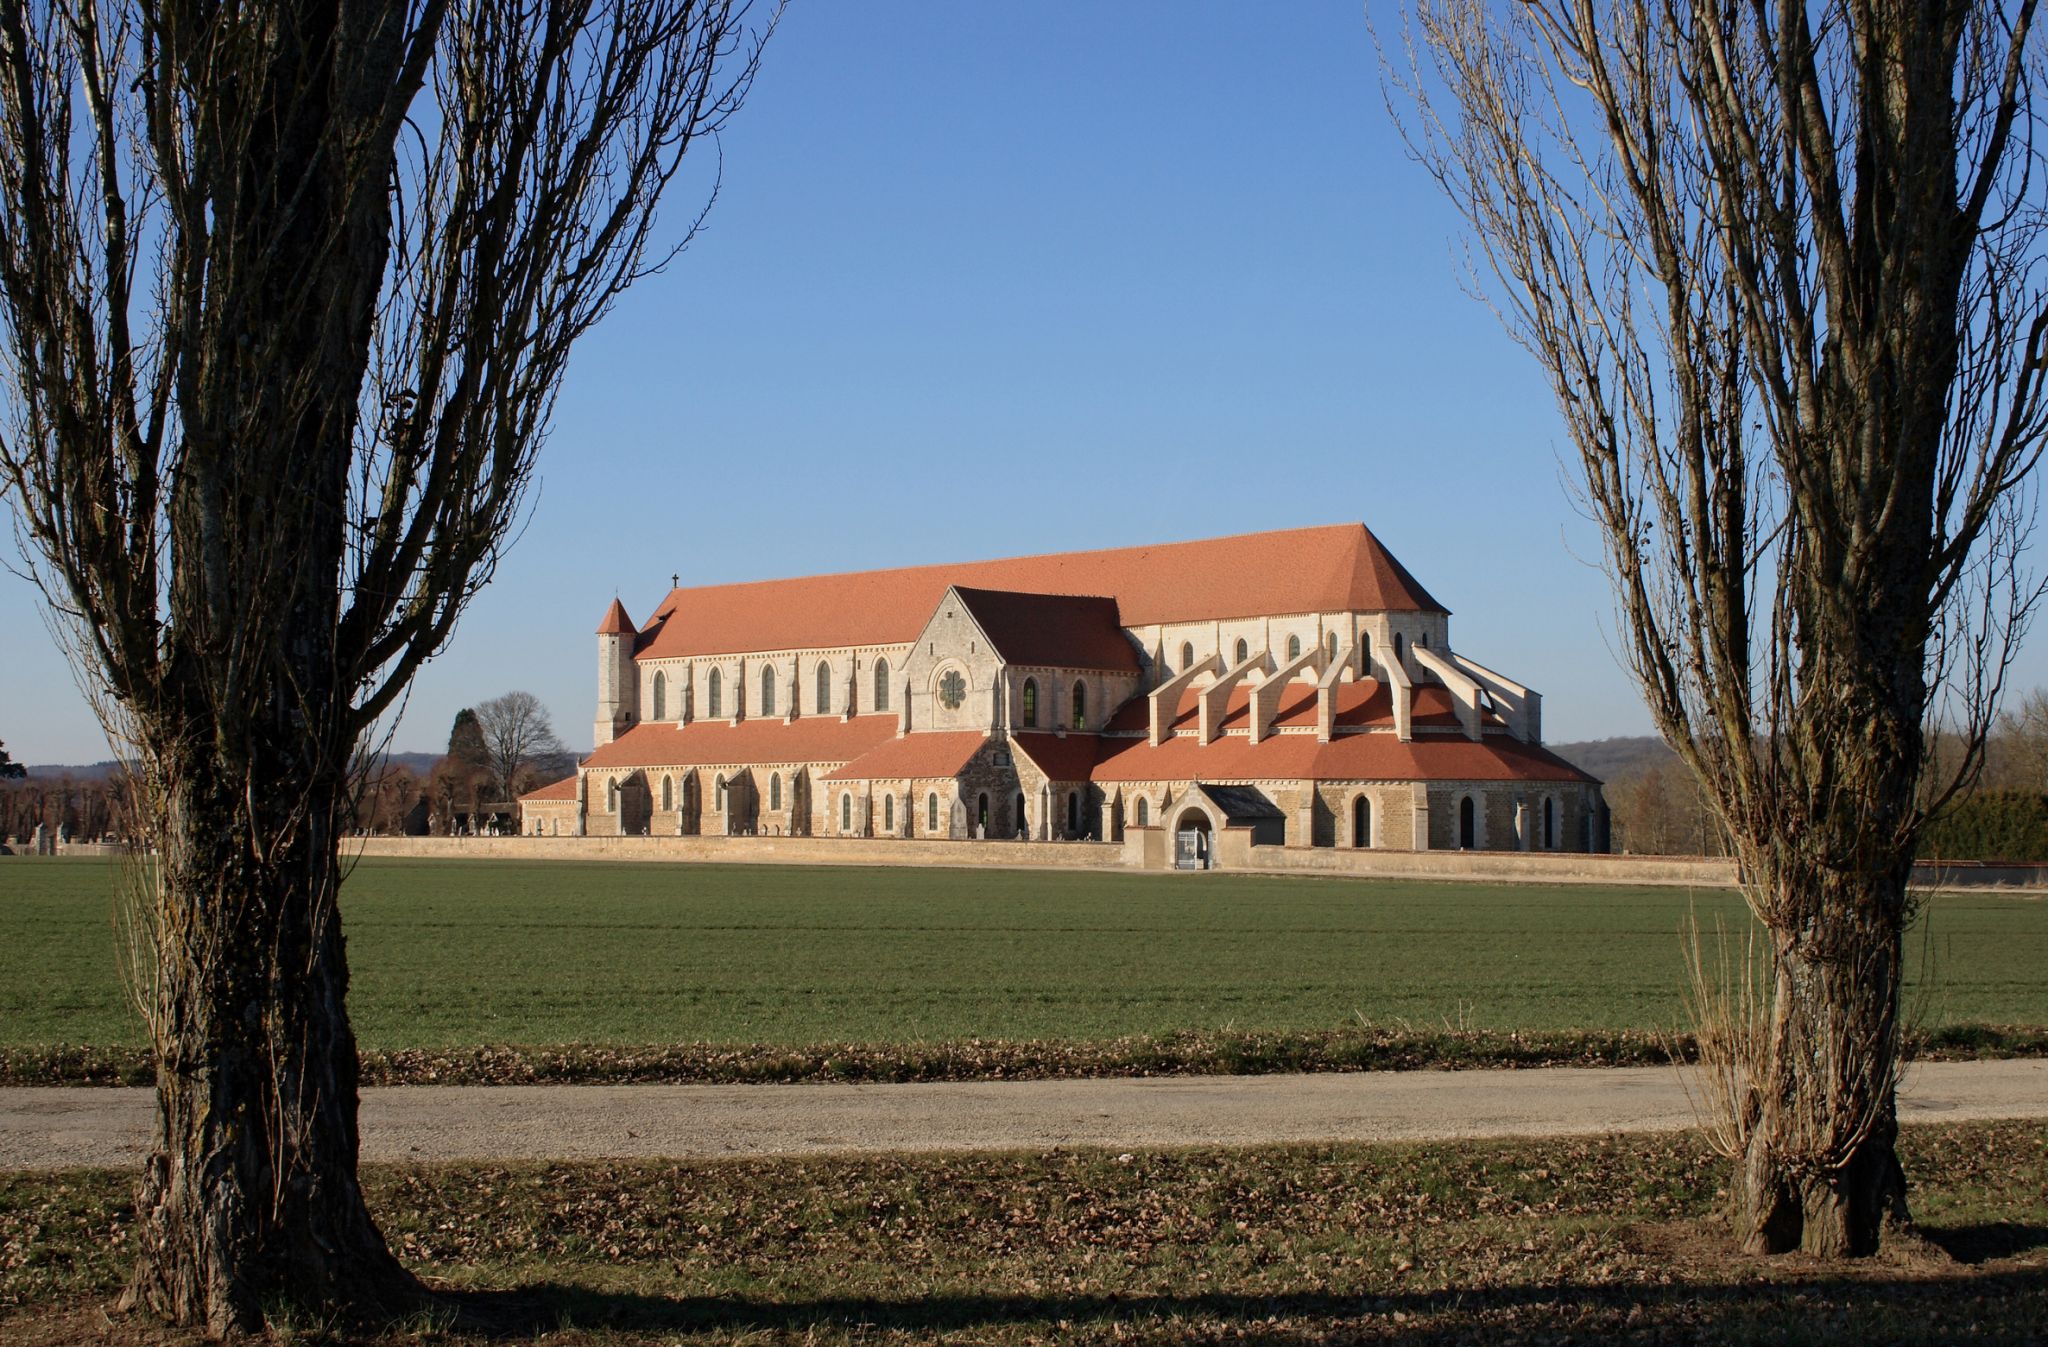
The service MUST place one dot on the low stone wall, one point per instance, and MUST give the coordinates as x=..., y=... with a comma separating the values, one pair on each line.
x=760, y=850
x=1234, y=856
x=23, y=848
x=1505, y=867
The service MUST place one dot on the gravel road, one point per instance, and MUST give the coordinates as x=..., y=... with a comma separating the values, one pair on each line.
x=59, y=1128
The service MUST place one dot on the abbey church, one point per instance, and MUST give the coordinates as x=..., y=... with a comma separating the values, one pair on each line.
x=1299, y=687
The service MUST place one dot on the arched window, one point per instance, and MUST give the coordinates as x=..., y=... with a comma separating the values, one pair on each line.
x=611, y=797
x=661, y=699
x=1330, y=644
x=775, y=791
x=1144, y=811
x=1080, y=705
x=981, y=813
x=1549, y=823
x=1361, y=822
x=1244, y=651
x=846, y=813
x=1031, y=702
x=1468, y=824
x=931, y=812
x=1293, y=647
x=1423, y=640
x=715, y=694
x=881, y=685
x=824, y=688
x=767, y=690
x=668, y=792
x=1397, y=646
x=718, y=792
x=1187, y=656
x=888, y=813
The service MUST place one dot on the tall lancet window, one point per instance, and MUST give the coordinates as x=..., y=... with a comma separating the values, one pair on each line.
x=714, y=691
x=824, y=688
x=767, y=689
x=661, y=698
x=881, y=685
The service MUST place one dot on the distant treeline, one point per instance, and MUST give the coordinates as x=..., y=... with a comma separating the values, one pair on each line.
x=1657, y=808
x=2004, y=825
x=86, y=809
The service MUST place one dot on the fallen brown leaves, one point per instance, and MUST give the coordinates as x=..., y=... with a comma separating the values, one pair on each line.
x=1189, y=1053
x=1518, y=1242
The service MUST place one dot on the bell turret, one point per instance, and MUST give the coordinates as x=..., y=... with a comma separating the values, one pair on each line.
x=618, y=677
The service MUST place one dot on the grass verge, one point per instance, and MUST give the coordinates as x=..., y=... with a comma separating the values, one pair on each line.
x=1178, y=1054
x=1512, y=1242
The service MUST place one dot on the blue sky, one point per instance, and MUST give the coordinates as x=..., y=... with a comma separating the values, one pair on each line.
x=996, y=279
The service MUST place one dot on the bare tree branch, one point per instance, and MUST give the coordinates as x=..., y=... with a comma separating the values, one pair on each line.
x=1782, y=266
x=287, y=292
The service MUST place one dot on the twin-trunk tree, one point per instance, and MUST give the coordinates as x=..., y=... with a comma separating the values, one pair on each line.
x=286, y=294
x=1782, y=266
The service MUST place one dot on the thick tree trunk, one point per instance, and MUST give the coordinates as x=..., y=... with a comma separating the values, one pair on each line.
x=249, y=1201
x=1819, y=1170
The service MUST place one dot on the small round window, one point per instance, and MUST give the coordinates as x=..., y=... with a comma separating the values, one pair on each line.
x=952, y=690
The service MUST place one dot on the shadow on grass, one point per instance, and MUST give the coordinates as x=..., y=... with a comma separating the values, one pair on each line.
x=1982, y=1243
x=1814, y=1309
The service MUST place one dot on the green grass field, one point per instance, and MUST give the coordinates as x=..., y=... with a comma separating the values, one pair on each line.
x=450, y=954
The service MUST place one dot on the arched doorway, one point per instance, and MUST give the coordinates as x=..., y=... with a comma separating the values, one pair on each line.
x=1191, y=838
x=1361, y=822
x=981, y=814
x=1073, y=813
x=1023, y=829
x=1468, y=831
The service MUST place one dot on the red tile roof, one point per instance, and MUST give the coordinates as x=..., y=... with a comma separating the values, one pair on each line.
x=1365, y=702
x=772, y=740
x=616, y=622
x=1348, y=757
x=934, y=753
x=565, y=789
x=1069, y=631
x=1068, y=758
x=1334, y=568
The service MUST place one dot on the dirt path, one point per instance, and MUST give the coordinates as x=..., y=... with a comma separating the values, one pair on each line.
x=57, y=1128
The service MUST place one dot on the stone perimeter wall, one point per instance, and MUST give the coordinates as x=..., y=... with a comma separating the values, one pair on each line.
x=743, y=850
x=1487, y=866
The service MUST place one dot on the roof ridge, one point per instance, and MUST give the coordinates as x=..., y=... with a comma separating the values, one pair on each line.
x=1024, y=556
x=1029, y=593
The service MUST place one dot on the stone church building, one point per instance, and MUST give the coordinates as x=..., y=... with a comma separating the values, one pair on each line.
x=1300, y=685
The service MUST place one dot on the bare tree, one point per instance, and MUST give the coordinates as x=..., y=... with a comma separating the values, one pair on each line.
x=1781, y=265
x=518, y=738
x=286, y=295
x=2017, y=757
x=1660, y=810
